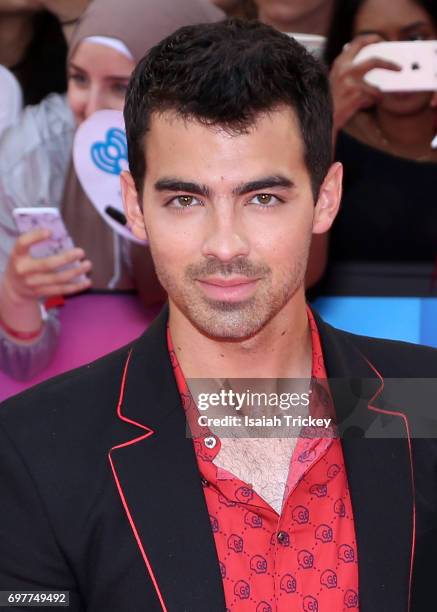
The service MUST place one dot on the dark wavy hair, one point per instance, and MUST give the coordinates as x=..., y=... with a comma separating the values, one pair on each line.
x=343, y=20
x=226, y=74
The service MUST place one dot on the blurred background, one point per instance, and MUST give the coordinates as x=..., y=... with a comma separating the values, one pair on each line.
x=63, y=61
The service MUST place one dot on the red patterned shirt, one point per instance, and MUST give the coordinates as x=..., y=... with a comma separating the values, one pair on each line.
x=303, y=559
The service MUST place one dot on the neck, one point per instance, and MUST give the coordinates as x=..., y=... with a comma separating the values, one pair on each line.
x=314, y=22
x=282, y=349
x=410, y=130
x=15, y=35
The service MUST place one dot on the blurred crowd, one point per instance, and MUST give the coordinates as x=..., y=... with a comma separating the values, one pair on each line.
x=63, y=60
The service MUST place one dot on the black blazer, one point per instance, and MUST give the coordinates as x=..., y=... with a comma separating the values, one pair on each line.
x=100, y=493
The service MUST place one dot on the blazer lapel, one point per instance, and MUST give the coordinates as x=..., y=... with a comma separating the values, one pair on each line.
x=159, y=484
x=378, y=459
x=156, y=473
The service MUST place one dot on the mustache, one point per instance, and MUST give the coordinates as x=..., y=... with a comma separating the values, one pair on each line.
x=214, y=267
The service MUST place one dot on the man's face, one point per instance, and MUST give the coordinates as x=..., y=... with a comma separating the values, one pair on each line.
x=229, y=219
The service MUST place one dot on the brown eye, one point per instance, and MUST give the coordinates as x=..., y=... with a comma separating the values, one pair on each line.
x=185, y=200
x=266, y=200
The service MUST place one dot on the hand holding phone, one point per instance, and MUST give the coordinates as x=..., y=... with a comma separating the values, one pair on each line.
x=351, y=93
x=417, y=60
x=44, y=262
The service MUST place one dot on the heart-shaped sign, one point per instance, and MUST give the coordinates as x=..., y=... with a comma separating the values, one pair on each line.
x=11, y=98
x=99, y=156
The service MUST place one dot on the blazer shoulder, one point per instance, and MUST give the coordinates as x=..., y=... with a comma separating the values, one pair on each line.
x=396, y=358
x=76, y=395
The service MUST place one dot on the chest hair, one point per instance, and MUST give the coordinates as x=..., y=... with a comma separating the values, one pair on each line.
x=261, y=462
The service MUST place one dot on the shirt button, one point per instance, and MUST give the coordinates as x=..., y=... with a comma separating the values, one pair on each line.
x=282, y=537
x=210, y=442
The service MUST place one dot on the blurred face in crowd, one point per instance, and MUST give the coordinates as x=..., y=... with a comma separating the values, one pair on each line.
x=229, y=218
x=68, y=9
x=397, y=20
x=97, y=79
x=16, y=6
x=286, y=15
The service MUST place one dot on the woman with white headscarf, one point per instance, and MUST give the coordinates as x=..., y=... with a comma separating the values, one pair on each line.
x=36, y=170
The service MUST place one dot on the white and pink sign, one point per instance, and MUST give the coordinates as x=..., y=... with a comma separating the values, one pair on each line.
x=99, y=156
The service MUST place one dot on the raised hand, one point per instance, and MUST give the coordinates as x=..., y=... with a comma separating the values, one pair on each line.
x=350, y=92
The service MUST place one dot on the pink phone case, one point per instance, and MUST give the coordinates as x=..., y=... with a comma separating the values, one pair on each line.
x=60, y=241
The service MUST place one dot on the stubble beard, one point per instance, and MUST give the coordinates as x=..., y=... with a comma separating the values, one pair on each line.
x=234, y=321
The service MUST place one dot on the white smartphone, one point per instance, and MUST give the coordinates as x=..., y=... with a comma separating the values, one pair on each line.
x=418, y=60
x=32, y=218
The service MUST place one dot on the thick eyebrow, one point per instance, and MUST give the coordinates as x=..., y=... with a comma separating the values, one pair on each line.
x=177, y=185
x=268, y=182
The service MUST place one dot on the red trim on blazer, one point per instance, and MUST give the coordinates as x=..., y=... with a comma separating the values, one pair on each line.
x=407, y=427
x=148, y=433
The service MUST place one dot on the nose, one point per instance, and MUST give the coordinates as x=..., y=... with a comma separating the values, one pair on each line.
x=226, y=237
x=95, y=101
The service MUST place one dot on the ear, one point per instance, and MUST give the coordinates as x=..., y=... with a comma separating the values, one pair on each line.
x=132, y=207
x=328, y=202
